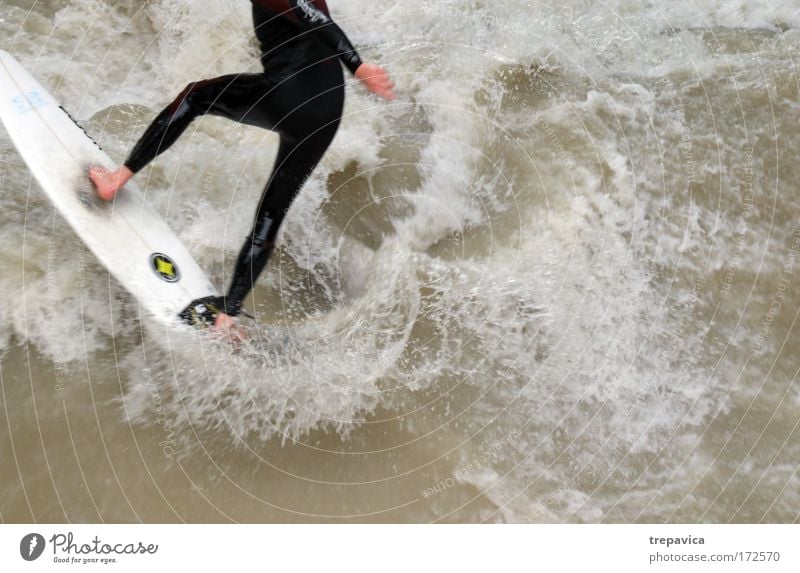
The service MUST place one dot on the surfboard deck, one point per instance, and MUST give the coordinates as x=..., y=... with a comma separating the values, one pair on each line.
x=126, y=235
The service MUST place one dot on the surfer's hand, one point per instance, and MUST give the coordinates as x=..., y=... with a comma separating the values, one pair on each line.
x=376, y=80
x=107, y=182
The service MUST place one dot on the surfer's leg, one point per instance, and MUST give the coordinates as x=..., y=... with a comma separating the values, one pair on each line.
x=306, y=110
x=230, y=96
x=295, y=162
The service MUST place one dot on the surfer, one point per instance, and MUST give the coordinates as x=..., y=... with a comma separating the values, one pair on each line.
x=299, y=95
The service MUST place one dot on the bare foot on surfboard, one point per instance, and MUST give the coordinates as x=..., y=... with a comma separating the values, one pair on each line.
x=108, y=182
x=228, y=329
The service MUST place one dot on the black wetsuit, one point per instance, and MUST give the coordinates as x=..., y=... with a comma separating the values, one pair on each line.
x=300, y=96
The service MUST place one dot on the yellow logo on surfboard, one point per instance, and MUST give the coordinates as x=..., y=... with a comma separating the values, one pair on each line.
x=164, y=267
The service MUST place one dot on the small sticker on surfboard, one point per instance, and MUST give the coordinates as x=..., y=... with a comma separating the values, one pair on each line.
x=27, y=102
x=164, y=268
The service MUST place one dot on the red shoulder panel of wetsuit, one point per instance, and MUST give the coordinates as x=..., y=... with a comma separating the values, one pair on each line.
x=285, y=8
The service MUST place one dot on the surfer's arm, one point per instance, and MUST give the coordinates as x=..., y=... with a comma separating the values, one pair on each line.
x=318, y=22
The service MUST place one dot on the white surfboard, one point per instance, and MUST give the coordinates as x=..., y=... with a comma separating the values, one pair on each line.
x=127, y=236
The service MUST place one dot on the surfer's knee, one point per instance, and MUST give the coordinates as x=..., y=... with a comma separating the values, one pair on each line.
x=189, y=100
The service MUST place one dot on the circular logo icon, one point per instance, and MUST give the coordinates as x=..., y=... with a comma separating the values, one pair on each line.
x=31, y=547
x=165, y=268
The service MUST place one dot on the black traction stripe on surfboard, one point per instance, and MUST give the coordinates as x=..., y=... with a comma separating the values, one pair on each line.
x=86, y=133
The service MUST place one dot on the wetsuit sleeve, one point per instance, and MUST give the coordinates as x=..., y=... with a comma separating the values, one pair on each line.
x=318, y=22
